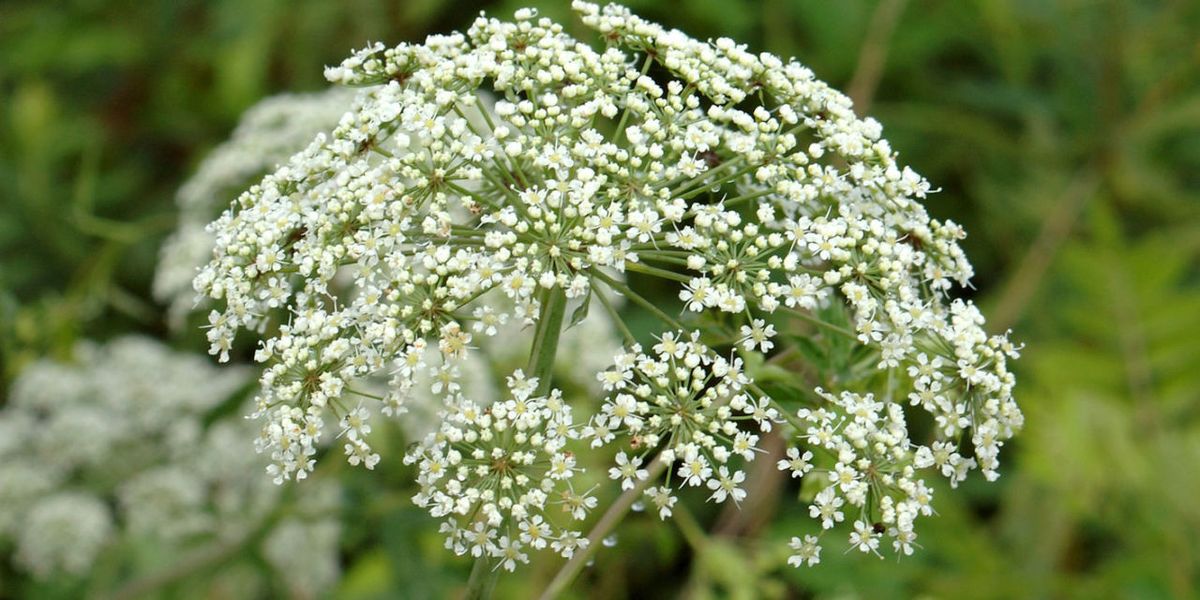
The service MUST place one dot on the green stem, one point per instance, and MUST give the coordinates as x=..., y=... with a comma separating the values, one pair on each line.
x=620, y=131
x=545, y=338
x=747, y=197
x=690, y=527
x=482, y=581
x=616, y=316
x=657, y=272
x=815, y=321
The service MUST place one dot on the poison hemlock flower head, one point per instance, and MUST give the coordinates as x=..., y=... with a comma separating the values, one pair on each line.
x=480, y=180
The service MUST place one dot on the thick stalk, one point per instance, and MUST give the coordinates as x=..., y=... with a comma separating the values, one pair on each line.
x=545, y=338
x=541, y=365
x=482, y=580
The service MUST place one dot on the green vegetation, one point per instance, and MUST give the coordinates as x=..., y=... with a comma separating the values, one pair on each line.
x=1065, y=137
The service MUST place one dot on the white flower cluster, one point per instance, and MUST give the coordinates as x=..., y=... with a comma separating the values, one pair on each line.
x=126, y=444
x=857, y=231
x=875, y=473
x=494, y=473
x=63, y=533
x=958, y=376
x=427, y=220
x=684, y=402
x=267, y=134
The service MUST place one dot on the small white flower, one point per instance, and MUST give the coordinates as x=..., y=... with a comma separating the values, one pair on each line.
x=627, y=471
x=694, y=469
x=509, y=552
x=826, y=508
x=726, y=485
x=663, y=500
x=864, y=538
x=797, y=463
x=568, y=543
x=758, y=334
x=807, y=551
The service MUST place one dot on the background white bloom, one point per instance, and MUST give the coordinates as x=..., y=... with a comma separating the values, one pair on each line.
x=64, y=534
x=132, y=443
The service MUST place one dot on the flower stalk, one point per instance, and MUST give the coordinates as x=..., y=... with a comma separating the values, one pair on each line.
x=545, y=338
x=482, y=581
x=611, y=518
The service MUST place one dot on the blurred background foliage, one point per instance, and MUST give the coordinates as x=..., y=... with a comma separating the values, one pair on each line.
x=1064, y=134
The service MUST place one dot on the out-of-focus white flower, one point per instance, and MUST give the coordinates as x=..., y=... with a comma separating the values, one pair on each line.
x=127, y=444
x=63, y=534
x=304, y=552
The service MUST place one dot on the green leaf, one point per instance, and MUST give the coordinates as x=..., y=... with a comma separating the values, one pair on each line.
x=581, y=312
